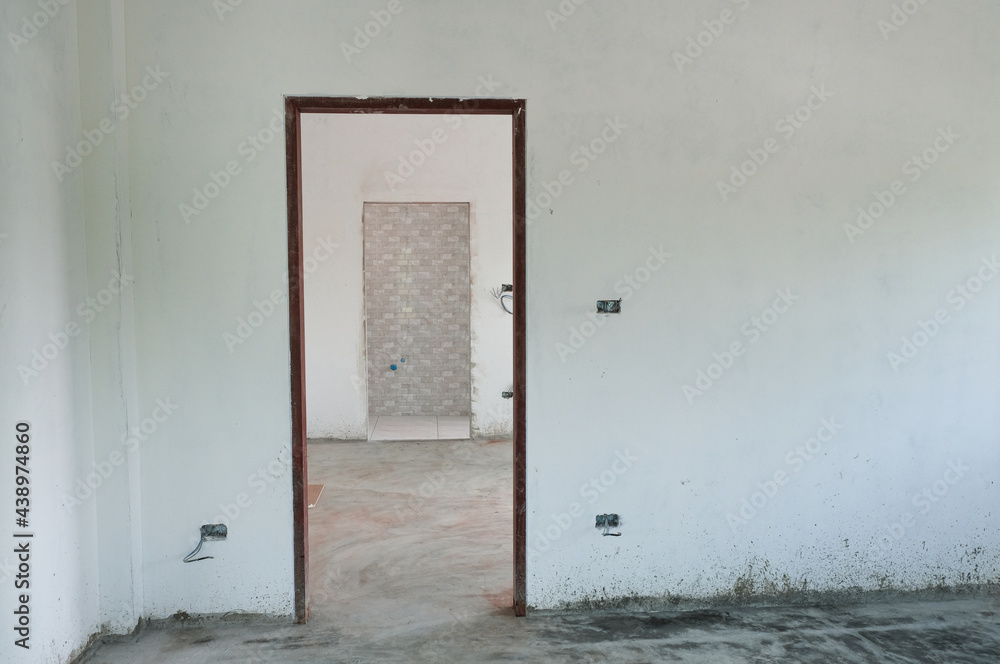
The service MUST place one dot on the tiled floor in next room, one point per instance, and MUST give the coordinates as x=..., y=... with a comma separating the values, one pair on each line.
x=389, y=427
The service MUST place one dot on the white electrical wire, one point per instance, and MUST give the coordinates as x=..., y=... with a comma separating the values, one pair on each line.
x=505, y=297
x=188, y=559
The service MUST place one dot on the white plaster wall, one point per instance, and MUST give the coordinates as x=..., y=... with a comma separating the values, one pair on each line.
x=345, y=159
x=654, y=186
x=105, y=177
x=43, y=278
x=826, y=358
x=222, y=455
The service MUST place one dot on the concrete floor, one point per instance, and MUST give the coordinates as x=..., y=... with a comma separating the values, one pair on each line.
x=410, y=561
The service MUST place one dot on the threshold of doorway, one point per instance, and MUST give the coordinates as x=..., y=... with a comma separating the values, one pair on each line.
x=418, y=427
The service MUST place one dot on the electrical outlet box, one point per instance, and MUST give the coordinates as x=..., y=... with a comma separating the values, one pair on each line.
x=214, y=532
x=606, y=521
x=609, y=306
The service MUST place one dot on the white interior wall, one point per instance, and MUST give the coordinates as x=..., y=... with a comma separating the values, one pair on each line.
x=105, y=176
x=828, y=357
x=43, y=279
x=345, y=159
x=222, y=455
x=687, y=465
x=654, y=185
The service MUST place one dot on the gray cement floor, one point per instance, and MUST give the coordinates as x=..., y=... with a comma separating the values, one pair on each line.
x=410, y=561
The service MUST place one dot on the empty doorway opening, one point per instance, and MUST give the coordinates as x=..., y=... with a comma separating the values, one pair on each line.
x=296, y=109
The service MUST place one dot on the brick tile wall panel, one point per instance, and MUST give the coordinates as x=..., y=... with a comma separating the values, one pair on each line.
x=417, y=297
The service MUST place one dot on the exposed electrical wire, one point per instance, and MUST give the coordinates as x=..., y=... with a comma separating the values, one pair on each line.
x=505, y=292
x=504, y=288
x=188, y=558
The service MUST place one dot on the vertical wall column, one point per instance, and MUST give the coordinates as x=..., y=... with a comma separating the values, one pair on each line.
x=115, y=403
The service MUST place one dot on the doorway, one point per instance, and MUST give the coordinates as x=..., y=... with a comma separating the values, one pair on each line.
x=295, y=107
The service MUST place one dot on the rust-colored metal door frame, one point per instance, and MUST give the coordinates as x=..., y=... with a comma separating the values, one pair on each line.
x=294, y=108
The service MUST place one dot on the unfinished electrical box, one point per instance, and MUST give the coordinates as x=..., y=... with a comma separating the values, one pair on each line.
x=609, y=306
